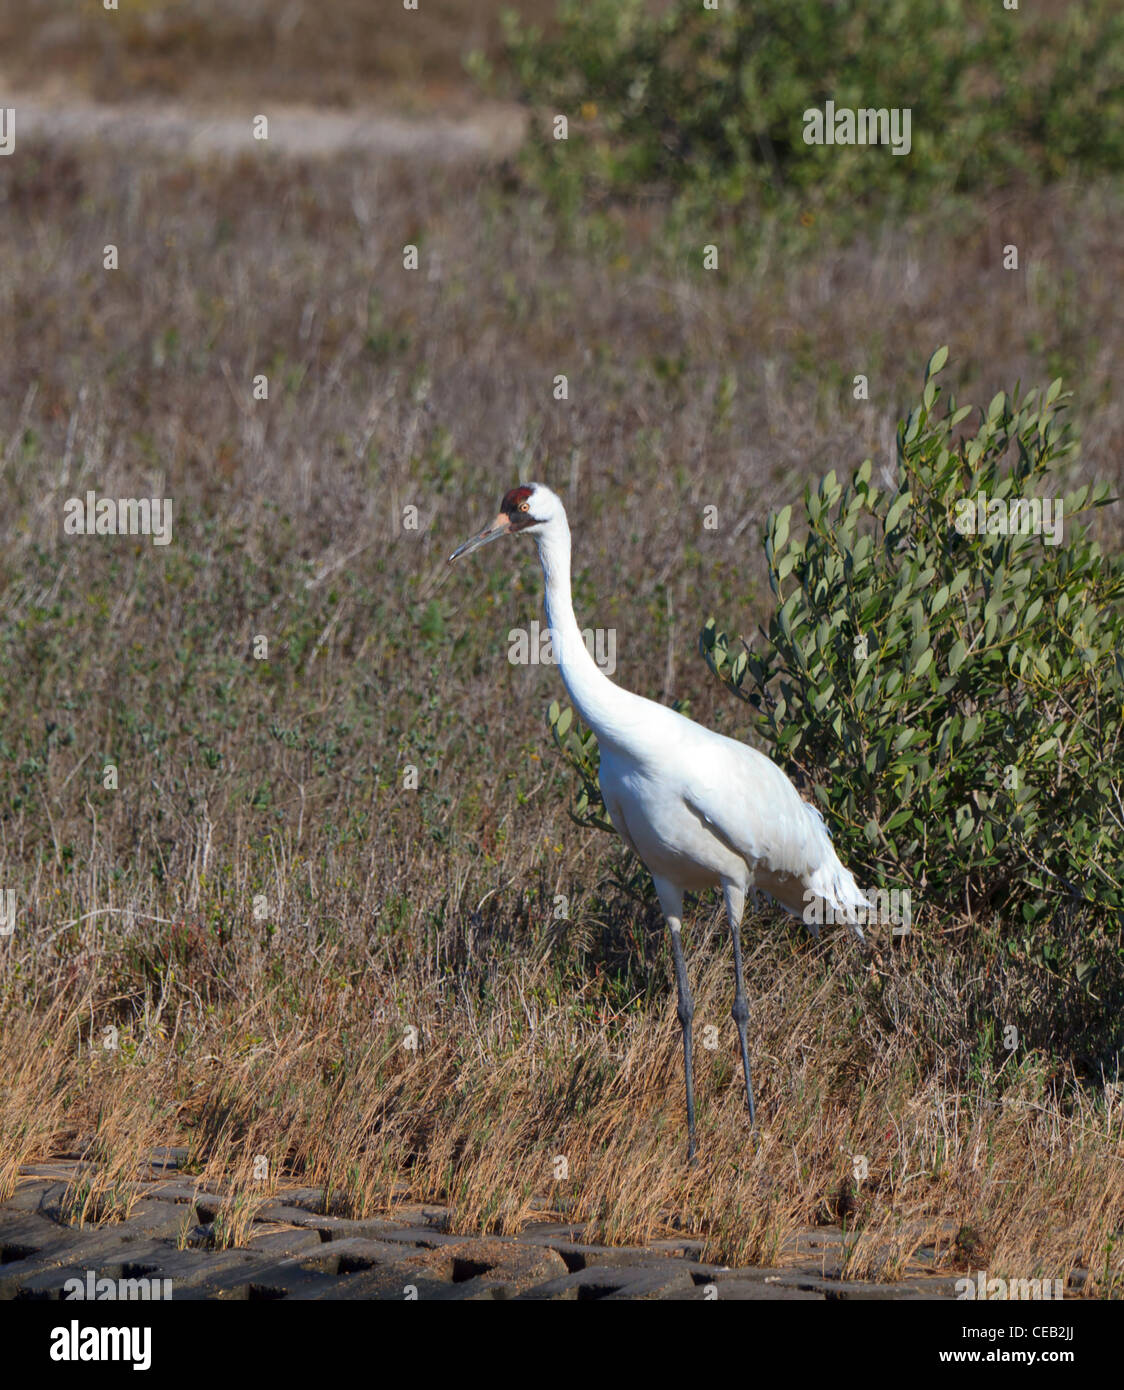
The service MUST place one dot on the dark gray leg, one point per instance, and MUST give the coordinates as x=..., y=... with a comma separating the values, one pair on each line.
x=671, y=900
x=735, y=901
x=740, y=1014
x=686, y=1018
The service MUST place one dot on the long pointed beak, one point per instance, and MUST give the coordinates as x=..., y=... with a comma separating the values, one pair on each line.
x=500, y=527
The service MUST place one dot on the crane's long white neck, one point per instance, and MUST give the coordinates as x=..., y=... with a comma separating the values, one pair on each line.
x=601, y=704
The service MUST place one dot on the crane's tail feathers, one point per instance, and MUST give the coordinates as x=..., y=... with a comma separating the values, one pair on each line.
x=832, y=885
x=839, y=897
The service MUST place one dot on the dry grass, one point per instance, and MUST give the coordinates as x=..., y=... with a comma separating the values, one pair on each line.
x=495, y=1094
x=341, y=53
x=262, y=911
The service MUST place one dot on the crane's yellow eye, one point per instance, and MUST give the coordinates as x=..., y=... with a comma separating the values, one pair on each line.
x=524, y=506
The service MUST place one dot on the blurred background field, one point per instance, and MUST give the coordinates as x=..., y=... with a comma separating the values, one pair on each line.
x=280, y=782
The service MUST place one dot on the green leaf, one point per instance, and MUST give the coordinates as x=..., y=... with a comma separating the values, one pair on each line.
x=896, y=511
x=780, y=528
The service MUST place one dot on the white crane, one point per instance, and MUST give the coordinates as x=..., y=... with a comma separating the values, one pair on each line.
x=699, y=809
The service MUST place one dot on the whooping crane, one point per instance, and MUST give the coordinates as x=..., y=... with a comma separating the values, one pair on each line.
x=699, y=809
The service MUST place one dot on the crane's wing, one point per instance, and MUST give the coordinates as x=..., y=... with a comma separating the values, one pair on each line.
x=748, y=802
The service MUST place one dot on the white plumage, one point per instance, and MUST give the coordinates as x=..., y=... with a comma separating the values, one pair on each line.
x=699, y=809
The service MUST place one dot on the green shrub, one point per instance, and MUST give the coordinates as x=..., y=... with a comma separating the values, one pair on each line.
x=956, y=700
x=714, y=99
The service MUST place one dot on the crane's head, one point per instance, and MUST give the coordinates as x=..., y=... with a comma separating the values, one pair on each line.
x=531, y=508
